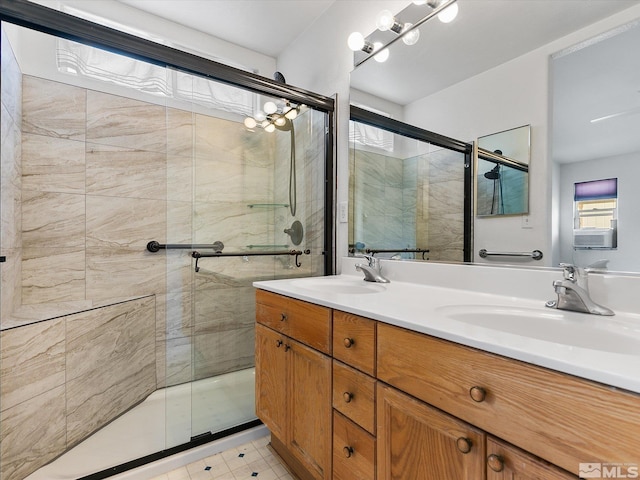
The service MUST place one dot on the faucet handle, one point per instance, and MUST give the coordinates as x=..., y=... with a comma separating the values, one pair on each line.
x=569, y=271
x=371, y=259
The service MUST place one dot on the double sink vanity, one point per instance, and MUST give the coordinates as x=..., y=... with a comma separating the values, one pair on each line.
x=436, y=376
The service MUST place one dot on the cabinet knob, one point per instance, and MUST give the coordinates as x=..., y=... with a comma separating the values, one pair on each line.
x=287, y=347
x=279, y=343
x=463, y=444
x=495, y=462
x=348, y=342
x=478, y=394
x=347, y=397
x=348, y=451
x=283, y=317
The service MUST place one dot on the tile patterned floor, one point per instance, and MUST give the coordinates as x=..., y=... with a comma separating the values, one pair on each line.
x=251, y=461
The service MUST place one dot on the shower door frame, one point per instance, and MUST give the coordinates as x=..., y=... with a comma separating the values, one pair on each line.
x=367, y=117
x=53, y=22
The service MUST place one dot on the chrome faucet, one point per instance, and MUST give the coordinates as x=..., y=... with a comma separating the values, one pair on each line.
x=573, y=291
x=372, y=271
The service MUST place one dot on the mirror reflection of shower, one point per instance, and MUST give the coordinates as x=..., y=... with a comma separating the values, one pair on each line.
x=497, y=199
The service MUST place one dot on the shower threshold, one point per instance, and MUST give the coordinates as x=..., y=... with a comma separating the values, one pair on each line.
x=161, y=423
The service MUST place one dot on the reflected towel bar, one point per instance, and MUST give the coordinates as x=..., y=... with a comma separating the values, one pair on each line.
x=535, y=255
x=373, y=251
x=154, y=246
x=297, y=253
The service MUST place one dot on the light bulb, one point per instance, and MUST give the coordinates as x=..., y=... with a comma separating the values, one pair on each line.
x=270, y=128
x=381, y=56
x=260, y=116
x=449, y=13
x=412, y=37
x=270, y=108
x=385, y=20
x=355, y=41
x=419, y=2
x=250, y=122
x=265, y=124
x=291, y=114
x=280, y=121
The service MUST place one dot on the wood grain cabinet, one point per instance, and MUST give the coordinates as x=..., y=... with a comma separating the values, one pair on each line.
x=347, y=397
x=293, y=383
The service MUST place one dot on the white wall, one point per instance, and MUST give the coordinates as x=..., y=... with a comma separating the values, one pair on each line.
x=320, y=60
x=626, y=168
x=513, y=94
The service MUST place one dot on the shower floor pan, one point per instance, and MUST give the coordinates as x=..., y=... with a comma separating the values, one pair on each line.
x=163, y=420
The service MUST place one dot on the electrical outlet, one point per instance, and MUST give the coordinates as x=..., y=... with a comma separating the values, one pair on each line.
x=343, y=212
x=526, y=221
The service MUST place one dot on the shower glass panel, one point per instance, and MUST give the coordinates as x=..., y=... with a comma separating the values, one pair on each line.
x=404, y=193
x=102, y=154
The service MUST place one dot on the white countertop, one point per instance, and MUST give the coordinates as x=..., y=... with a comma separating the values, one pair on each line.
x=427, y=308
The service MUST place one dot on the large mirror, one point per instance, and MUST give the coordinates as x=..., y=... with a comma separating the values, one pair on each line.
x=466, y=84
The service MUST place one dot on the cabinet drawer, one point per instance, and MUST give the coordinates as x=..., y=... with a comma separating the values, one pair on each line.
x=506, y=462
x=560, y=418
x=353, y=450
x=354, y=341
x=305, y=322
x=354, y=395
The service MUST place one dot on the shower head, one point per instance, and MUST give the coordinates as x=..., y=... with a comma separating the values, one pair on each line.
x=494, y=173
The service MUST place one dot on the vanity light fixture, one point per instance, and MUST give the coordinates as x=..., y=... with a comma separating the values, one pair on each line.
x=445, y=10
x=274, y=116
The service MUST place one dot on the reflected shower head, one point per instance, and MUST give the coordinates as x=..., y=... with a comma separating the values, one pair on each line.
x=494, y=173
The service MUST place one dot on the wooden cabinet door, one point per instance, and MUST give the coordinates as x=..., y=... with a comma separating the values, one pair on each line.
x=310, y=409
x=418, y=442
x=506, y=462
x=272, y=352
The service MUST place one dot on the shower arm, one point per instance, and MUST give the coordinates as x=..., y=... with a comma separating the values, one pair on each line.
x=197, y=255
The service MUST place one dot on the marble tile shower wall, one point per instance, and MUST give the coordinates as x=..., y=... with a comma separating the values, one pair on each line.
x=415, y=202
x=10, y=178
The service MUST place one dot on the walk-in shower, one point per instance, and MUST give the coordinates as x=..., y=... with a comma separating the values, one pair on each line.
x=120, y=176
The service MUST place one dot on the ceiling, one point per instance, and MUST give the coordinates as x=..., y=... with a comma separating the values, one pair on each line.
x=264, y=26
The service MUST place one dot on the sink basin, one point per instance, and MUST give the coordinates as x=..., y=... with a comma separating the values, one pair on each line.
x=345, y=287
x=555, y=326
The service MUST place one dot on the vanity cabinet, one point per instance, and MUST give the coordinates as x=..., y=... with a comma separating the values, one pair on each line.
x=293, y=381
x=348, y=397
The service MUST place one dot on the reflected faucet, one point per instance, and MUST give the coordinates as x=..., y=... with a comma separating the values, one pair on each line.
x=372, y=271
x=573, y=291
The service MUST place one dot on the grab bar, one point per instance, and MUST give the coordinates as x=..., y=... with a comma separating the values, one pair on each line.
x=297, y=253
x=535, y=255
x=154, y=246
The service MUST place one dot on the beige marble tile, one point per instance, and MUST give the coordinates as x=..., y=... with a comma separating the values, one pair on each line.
x=10, y=183
x=53, y=109
x=120, y=222
x=223, y=309
x=32, y=361
x=180, y=178
x=177, y=364
x=52, y=274
x=10, y=288
x=116, y=171
x=51, y=164
x=26, y=441
x=221, y=352
x=110, y=364
x=11, y=85
x=174, y=314
x=124, y=122
x=124, y=272
x=179, y=222
x=180, y=133
x=53, y=219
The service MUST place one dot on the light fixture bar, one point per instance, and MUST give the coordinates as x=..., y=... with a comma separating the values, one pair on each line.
x=432, y=14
